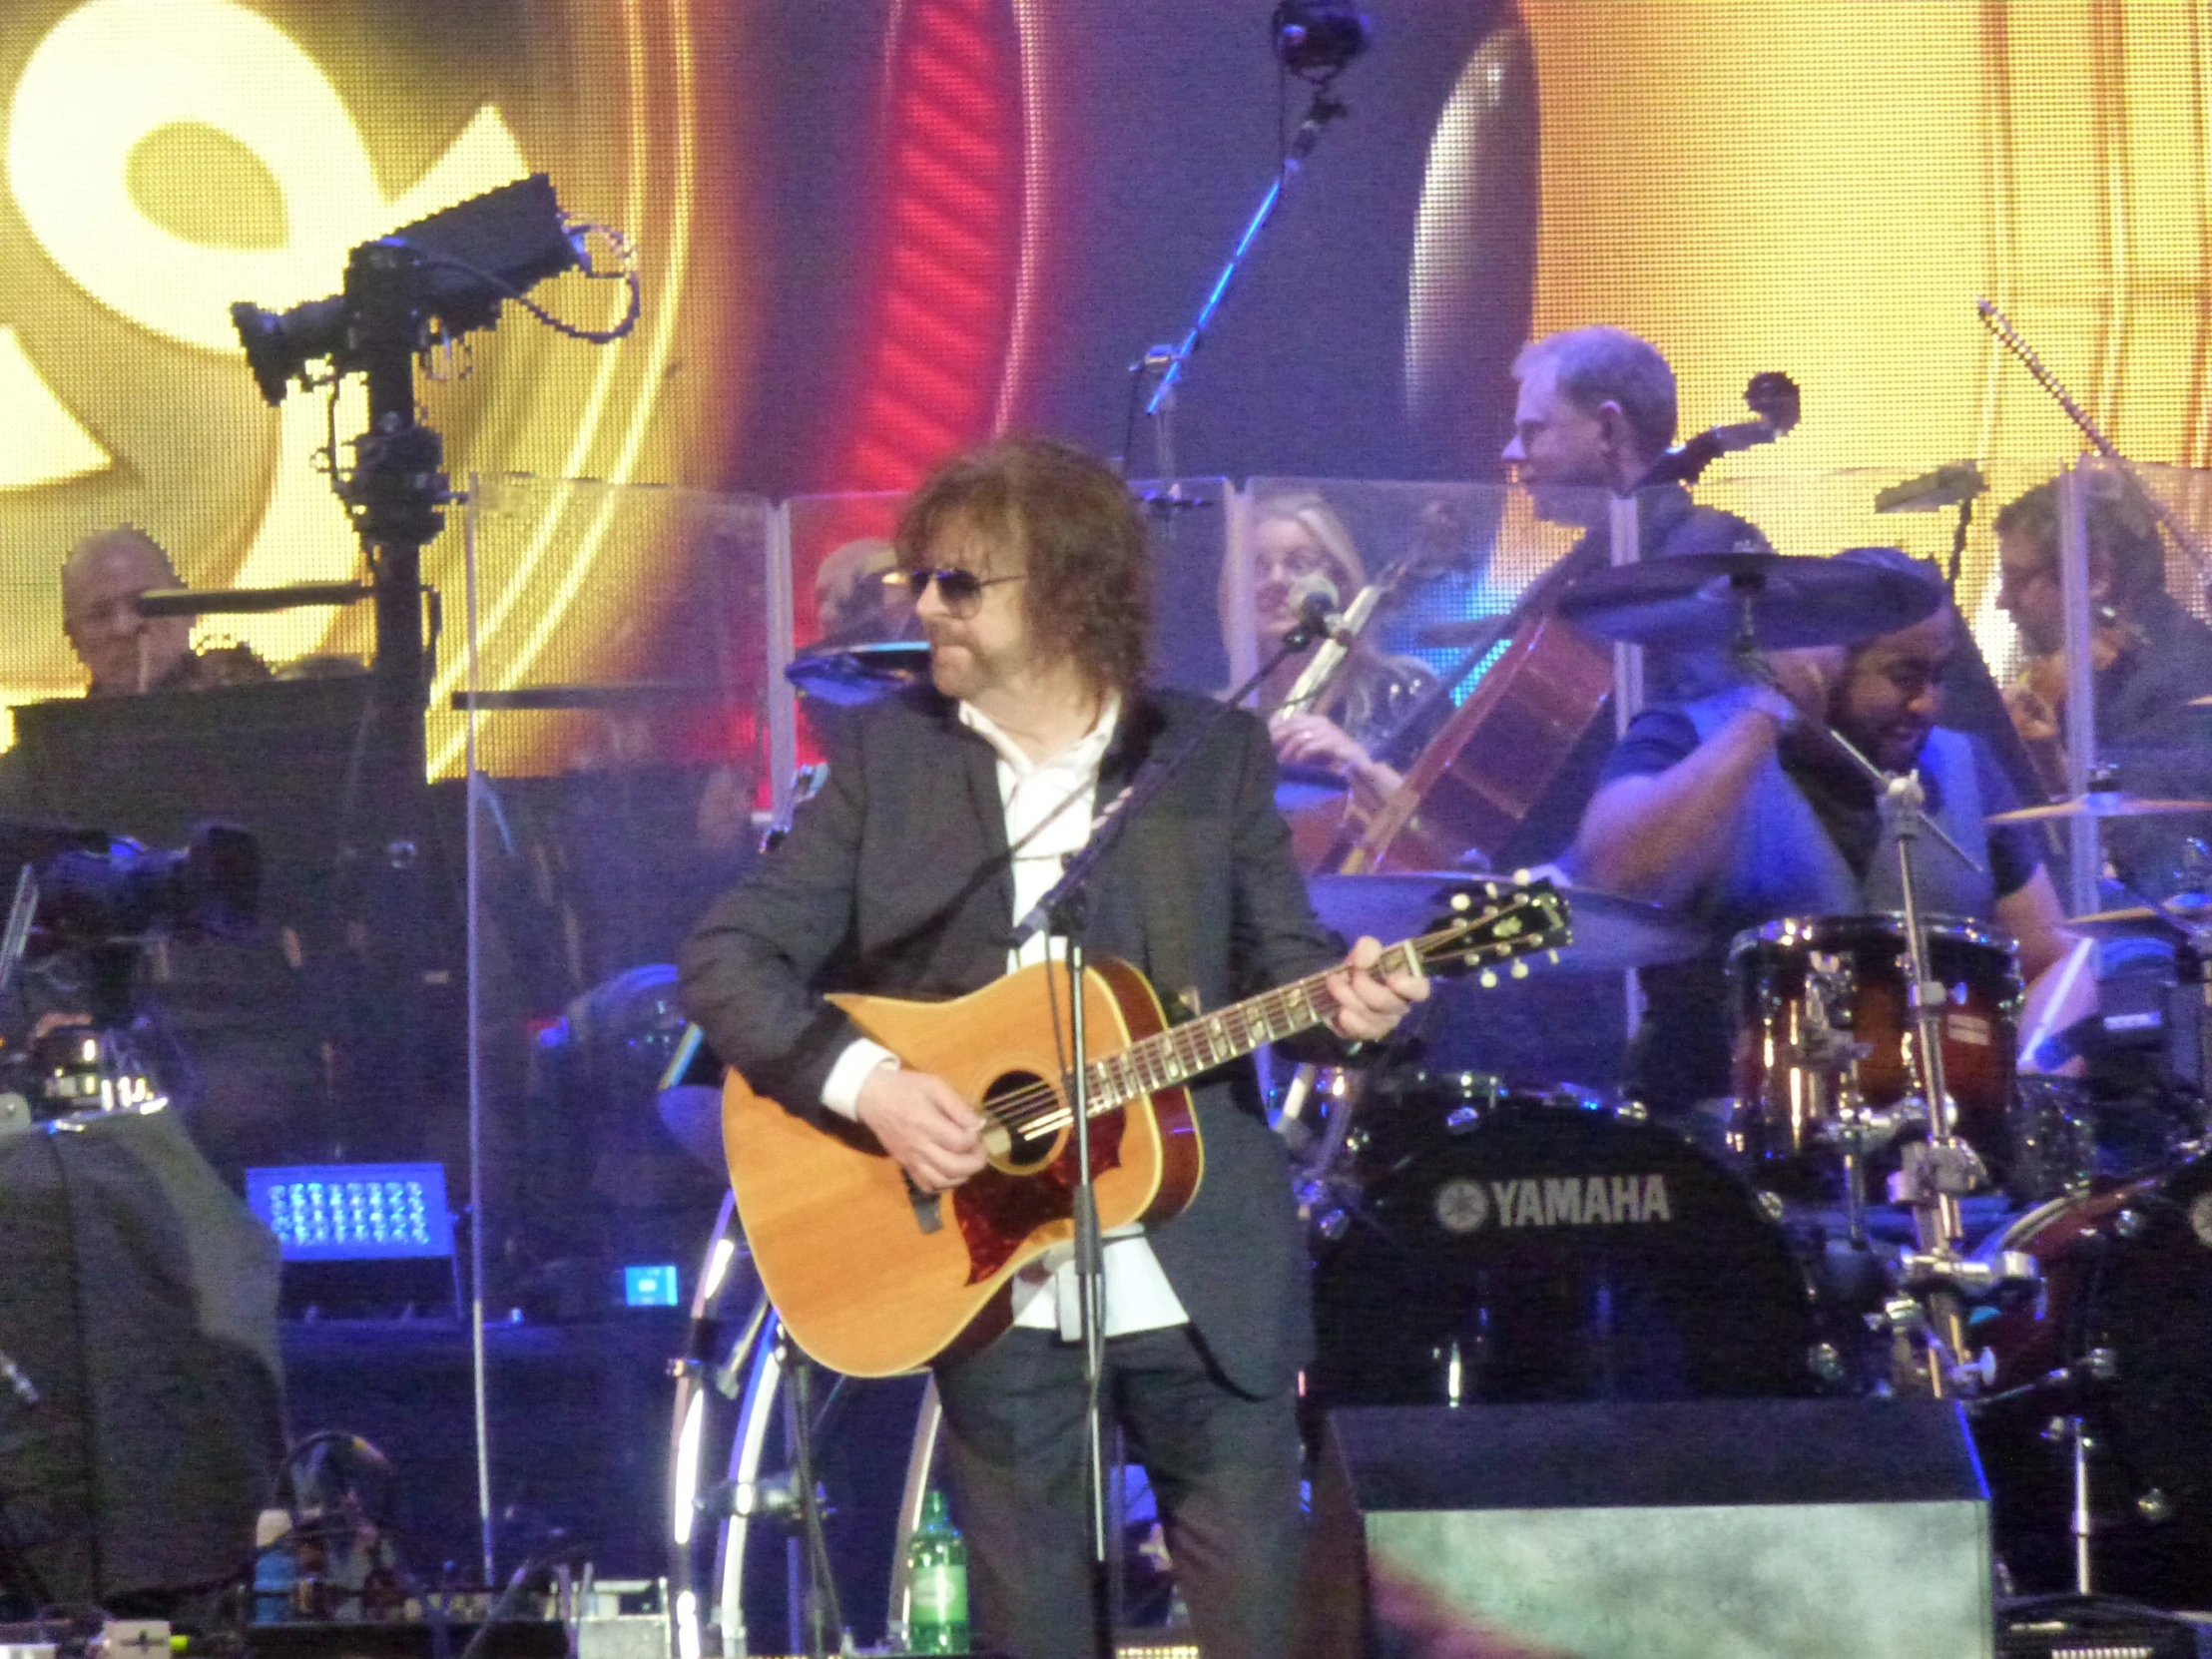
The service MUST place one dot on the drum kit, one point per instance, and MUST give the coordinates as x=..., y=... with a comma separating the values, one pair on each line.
x=1476, y=1241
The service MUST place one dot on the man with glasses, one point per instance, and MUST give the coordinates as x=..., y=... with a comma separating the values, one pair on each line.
x=1740, y=808
x=948, y=812
x=2153, y=658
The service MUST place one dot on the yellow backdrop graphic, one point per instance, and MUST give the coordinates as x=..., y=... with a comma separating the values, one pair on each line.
x=165, y=158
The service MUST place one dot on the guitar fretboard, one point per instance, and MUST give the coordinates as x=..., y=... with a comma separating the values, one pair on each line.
x=1183, y=1051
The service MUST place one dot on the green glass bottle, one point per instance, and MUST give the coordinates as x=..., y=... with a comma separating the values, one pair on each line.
x=936, y=1580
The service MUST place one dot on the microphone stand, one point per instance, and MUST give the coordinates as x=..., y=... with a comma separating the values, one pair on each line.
x=1061, y=914
x=1166, y=363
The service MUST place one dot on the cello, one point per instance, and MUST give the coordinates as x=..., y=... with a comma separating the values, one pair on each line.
x=1494, y=759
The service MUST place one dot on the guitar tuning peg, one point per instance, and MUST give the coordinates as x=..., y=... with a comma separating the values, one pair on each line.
x=1488, y=980
x=1520, y=971
x=1460, y=903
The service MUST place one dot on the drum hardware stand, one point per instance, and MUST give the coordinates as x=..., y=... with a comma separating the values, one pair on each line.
x=1322, y=1190
x=2099, y=1364
x=2081, y=1523
x=1859, y=1134
x=1940, y=1170
x=2192, y=958
x=1831, y=1052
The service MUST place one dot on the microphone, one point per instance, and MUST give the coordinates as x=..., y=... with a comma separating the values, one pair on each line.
x=1319, y=608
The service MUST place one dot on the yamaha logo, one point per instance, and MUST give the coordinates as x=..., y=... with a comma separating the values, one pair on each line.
x=1465, y=1206
x=1461, y=1206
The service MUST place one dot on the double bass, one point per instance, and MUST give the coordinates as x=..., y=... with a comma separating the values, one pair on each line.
x=1494, y=759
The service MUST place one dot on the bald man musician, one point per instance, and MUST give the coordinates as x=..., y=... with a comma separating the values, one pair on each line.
x=125, y=652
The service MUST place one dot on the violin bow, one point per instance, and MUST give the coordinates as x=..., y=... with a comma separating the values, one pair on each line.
x=2009, y=337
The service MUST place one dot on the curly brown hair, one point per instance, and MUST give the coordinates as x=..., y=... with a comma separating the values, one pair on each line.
x=1081, y=537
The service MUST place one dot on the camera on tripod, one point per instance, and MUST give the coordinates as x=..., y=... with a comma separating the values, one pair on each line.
x=86, y=904
x=109, y=889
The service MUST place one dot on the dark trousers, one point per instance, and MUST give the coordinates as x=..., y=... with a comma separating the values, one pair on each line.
x=1224, y=1466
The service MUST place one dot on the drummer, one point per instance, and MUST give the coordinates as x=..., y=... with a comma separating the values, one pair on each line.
x=1740, y=808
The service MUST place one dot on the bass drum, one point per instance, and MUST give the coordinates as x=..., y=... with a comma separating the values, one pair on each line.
x=1557, y=1252
x=2128, y=1271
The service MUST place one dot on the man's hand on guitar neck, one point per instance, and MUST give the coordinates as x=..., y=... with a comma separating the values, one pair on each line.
x=1368, y=1007
x=923, y=1122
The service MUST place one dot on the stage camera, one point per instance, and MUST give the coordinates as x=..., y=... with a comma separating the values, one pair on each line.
x=93, y=895
x=459, y=264
x=1317, y=38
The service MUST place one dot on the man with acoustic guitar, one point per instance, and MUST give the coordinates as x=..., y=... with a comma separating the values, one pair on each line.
x=948, y=813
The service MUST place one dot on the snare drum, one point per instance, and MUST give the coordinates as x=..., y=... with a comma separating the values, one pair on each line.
x=1799, y=983
x=2126, y=1270
x=1512, y=1250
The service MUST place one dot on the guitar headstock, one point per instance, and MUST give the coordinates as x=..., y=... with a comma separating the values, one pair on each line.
x=1487, y=923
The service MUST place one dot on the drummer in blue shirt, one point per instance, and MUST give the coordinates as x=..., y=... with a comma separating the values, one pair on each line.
x=1741, y=809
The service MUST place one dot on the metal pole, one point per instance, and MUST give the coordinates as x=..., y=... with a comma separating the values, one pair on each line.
x=472, y=840
x=1625, y=525
x=783, y=695
x=2081, y=1524
x=2084, y=844
x=1090, y=1279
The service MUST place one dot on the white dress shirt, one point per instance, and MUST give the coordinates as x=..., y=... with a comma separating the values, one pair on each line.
x=1048, y=806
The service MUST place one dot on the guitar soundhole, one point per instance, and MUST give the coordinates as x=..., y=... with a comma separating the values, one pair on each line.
x=1035, y=1122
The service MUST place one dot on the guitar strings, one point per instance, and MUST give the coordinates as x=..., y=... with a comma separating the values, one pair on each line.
x=1040, y=1108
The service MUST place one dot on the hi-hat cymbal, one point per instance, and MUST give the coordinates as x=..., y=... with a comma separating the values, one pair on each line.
x=1709, y=599
x=860, y=673
x=1611, y=933
x=2100, y=803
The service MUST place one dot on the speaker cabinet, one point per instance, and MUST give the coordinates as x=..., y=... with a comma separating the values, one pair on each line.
x=1692, y=1529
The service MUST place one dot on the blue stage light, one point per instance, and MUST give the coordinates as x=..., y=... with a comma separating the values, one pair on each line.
x=651, y=1287
x=353, y=1212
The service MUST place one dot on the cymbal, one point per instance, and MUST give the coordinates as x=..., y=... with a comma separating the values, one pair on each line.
x=2100, y=803
x=2138, y=923
x=855, y=674
x=1706, y=599
x=1611, y=933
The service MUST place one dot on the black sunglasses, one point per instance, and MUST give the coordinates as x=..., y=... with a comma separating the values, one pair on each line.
x=962, y=590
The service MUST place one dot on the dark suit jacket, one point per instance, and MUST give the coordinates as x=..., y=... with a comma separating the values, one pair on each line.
x=896, y=879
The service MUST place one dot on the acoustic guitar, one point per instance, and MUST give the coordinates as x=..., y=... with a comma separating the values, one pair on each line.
x=872, y=1276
